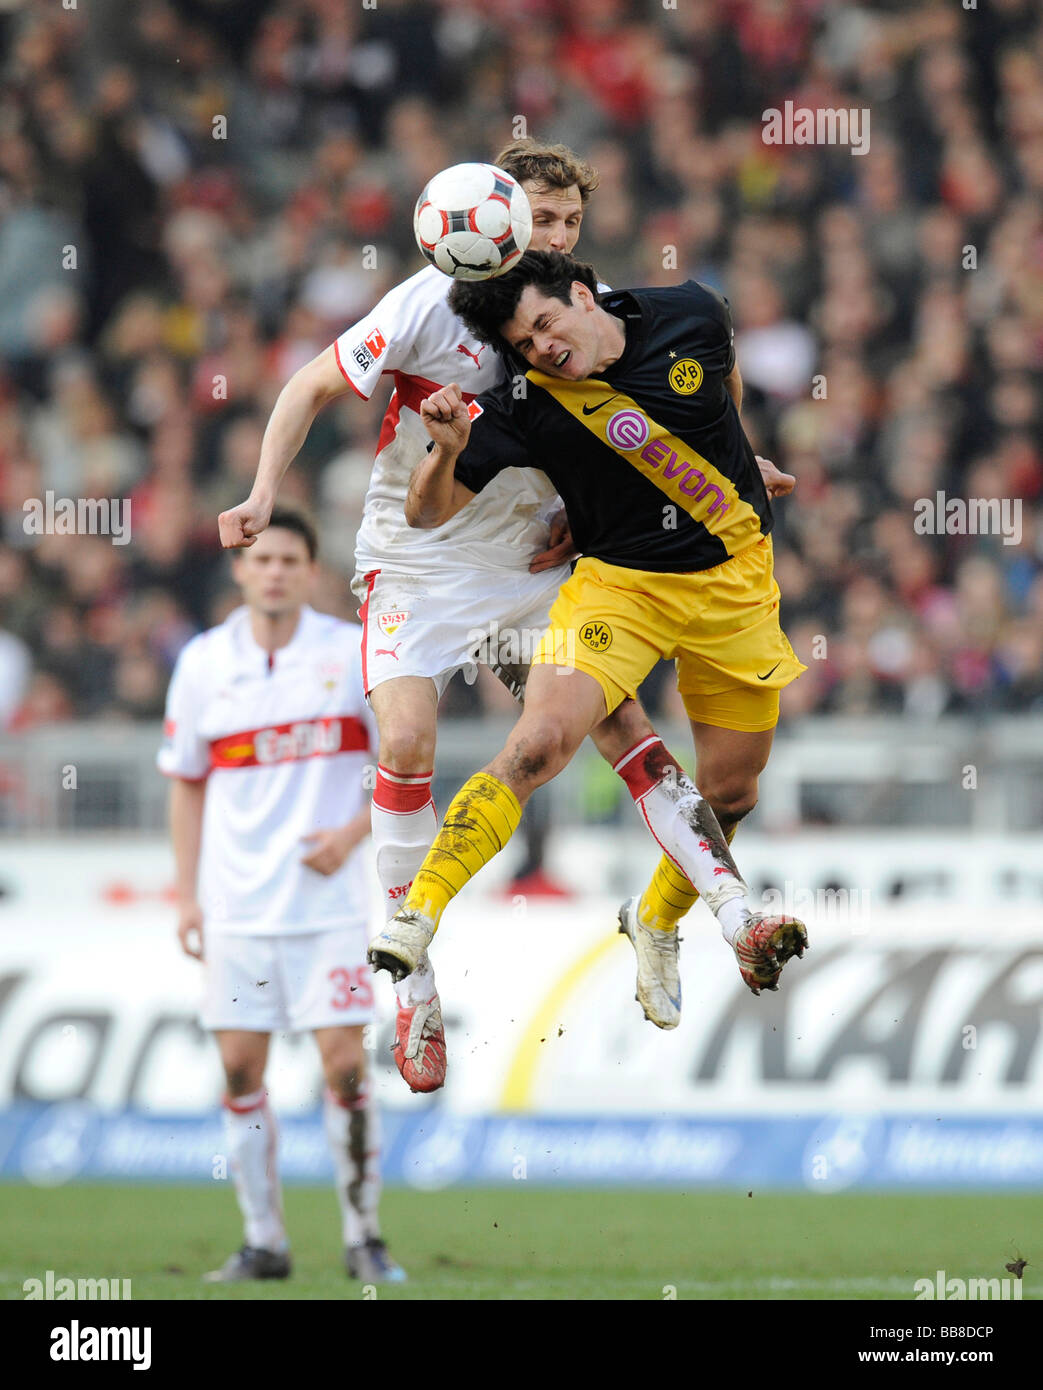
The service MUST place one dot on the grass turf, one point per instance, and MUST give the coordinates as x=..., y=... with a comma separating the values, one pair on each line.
x=522, y=1242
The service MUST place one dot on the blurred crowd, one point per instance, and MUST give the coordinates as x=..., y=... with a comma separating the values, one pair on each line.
x=197, y=196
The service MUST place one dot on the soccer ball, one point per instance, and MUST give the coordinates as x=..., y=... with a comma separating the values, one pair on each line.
x=473, y=221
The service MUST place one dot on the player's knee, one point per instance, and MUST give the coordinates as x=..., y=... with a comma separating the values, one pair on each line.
x=242, y=1077
x=731, y=808
x=618, y=732
x=344, y=1077
x=540, y=752
x=407, y=750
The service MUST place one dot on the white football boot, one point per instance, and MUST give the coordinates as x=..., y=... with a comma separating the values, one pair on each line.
x=658, y=981
x=400, y=947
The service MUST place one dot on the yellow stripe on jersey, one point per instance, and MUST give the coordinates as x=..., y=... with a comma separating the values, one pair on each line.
x=678, y=470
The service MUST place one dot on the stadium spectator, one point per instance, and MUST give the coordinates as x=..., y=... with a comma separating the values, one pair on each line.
x=195, y=198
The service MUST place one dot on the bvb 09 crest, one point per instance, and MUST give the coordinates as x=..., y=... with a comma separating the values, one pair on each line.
x=596, y=635
x=686, y=376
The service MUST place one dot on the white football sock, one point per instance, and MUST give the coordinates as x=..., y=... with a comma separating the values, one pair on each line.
x=353, y=1132
x=251, y=1138
x=404, y=826
x=686, y=830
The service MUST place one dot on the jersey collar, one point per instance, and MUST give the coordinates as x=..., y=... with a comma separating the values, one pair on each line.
x=282, y=654
x=623, y=305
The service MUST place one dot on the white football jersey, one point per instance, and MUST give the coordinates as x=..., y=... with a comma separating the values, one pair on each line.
x=283, y=743
x=413, y=336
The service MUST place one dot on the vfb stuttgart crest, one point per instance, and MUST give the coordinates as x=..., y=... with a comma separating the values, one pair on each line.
x=389, y=623
x=596, y=635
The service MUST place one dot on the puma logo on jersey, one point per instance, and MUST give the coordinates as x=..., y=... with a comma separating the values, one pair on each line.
x=384, y=651
x=472, y=355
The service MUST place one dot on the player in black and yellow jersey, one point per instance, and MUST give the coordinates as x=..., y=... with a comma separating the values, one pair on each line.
x=630, y=406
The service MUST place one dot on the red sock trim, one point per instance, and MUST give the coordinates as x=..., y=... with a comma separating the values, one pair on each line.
x=401, y=793
x=359, y=1103
x=235, y=1104
x=634, y=769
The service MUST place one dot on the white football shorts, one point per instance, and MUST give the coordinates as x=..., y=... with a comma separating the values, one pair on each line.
x=436, y=625
x=294, y=982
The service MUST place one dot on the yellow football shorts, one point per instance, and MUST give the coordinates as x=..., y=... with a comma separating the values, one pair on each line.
x=720, y=625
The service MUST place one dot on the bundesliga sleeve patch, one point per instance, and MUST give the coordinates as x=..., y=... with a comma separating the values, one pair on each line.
x=474, y=410
x=370, y=350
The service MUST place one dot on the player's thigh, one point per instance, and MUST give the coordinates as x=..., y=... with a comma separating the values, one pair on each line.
x=327, y=980
x=728, y=762
x=406, y=710
x=561, y=706
x=242, y=990
x=343, y=1057
x=244, y=1056
x=433, y=625
x=605, y=624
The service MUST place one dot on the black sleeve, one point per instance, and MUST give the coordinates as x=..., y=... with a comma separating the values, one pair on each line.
x=716, y=308
x=497, y=441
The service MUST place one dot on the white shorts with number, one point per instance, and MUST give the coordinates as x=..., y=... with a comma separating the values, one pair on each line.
x=295, y=982
x=436, y=625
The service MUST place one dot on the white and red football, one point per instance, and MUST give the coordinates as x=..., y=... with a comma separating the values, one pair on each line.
x=473, y=221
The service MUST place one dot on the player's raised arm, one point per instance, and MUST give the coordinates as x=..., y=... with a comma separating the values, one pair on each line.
x=434, y=493
x=316, y=384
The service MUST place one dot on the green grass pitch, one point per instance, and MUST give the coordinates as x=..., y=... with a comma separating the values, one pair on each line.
x=523, y=1242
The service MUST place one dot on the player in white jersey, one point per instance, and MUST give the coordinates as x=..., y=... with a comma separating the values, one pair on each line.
x=268, y=737
x=429, y=597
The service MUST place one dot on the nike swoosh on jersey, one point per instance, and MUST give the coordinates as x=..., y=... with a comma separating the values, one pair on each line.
x=771, y=672
x=589, y=410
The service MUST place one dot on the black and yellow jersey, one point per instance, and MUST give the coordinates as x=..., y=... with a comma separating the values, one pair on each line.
x=649, y=457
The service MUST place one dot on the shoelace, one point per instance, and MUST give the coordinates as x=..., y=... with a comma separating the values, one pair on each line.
x=418, y=1030
x=663, y=943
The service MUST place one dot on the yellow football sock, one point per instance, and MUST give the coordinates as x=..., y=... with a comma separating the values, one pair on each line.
x=670, y=895
x=481, y=818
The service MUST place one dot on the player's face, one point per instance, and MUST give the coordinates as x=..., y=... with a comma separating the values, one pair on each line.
x=276, y=573
x=556, y=217
x=566, y=340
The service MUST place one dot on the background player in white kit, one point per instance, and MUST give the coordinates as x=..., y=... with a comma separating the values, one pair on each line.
x=267, y=738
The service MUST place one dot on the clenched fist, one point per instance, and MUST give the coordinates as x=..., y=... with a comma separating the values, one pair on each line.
x=777, y=483
x=240, y=526
x=447, y=419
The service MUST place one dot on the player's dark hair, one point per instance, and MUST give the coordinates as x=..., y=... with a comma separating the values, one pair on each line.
x=486, y=305
x=289, y=519
x=547, y=166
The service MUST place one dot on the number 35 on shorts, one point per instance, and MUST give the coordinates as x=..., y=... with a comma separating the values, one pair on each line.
x=352, y=989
